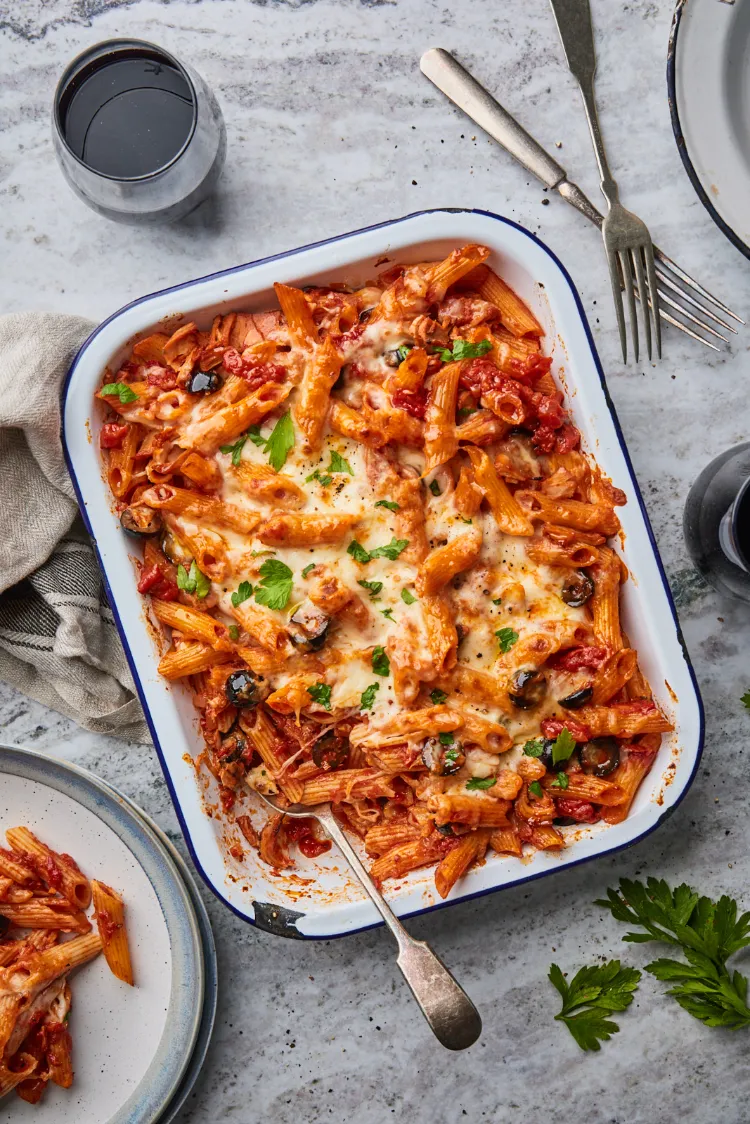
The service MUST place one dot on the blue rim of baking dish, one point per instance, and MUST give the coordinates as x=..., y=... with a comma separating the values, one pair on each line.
x=278, y=919
x=679, y=136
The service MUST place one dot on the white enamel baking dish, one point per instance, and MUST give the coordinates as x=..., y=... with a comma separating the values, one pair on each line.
x=320, y=899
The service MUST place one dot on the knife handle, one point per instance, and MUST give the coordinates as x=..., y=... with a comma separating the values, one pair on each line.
x=465, y=92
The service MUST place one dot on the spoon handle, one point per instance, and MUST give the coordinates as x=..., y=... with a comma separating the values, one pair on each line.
x=452, y=1016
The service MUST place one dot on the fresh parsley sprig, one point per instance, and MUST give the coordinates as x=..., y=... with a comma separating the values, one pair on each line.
x=594, y=993
x=275, y=588
x=463, y=349
x=120, y=390
x=193, y=580
x=278, y=444
x=708, y=932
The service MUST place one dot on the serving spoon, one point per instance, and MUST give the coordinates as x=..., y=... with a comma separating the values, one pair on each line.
x=453, y=1018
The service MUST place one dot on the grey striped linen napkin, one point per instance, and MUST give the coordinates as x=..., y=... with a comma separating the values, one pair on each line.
x=58, y=640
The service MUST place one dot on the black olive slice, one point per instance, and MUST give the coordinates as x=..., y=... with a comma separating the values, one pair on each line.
x=445, y=829
x=203, y=382
x=174, y=550
x=528, y=688
x=577, y=699
x=243, y=689
x=330, y=751
x=139, y=520
x=308, y=627
x=577, y=590
x=600, y=756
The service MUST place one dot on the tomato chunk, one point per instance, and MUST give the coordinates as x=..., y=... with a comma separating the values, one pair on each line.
x=112, y=435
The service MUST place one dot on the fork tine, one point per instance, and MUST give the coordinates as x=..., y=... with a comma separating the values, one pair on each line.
x=664, y=298
x=665, y=279
x=653, y=291
x=627, y=273
x=669, y=264
x=688, y=331
x=645, y=304
x=614, y=277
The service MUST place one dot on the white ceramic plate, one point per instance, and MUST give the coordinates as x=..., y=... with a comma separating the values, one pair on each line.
x=320, y=899
x=131, y=1046
x=708, y=78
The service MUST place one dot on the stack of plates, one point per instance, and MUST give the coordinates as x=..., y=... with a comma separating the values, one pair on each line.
x=136, y=1051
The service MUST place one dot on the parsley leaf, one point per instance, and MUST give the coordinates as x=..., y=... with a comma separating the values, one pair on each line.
x=408, y=597
x=592, y=995
x=475, y=783
x=339, y=464
x=255, y=436
x=463, y=349
x=507, y=638
x=563, y=746
x=322, y=478
x=307, y=569
x=389, y=504
x=236, y=449
x=745, y=699
x=276, y=582
x=243, y=591
x=437, y=697
x=707, y=931
x=374, y=588
x=466, y=411
x=358, y=552
x=560, y=781
x=120, y=390
x=367, y=700
x=536, y=789
x=534, y=748
x=387, y=613
x=321, y=694
x=497, y=600
x=234, y=632
x=435, y=488
x=281, y=442
x=446, y=738
x=194, y=581
x=390, y=550
x=381, y=665
x=260, y=553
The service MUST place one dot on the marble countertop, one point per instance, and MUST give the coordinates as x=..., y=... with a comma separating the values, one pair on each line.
x=330, y=127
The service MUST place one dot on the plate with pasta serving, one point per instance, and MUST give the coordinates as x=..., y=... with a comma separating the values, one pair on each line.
x=372, y=538
x=101, y=961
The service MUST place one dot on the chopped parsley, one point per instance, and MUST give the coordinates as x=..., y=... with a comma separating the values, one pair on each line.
x=243, y=591
x=446, y=738
x=307, y=569
x=260, y=553
x=387, y=613
x=507, y=638
x=497, y=600
x=236, y=448
x=389, y=504
x=390, y=550
x=281, y=442
x=466, y=411
x=256, y=436
x=435, y=488
x=563, y=746
x=322, y=478
x=339, y=464
x=234, y=632
x=381, y=665
x=475, y=783
x=193, y=581
x=560, y=781
x=534, y=748
x=536, y=789
x=367, y=700
x=321, y=694
x=373, y=588
x=120, y=390
x=275, y=587
x=402, y=352
x=358, y=552
x=437, y=698
x=408, y=597
x=463, y=349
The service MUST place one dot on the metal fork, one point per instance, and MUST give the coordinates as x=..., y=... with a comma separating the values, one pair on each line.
x=626, y=237
x=465, y=92
x=453, y=1018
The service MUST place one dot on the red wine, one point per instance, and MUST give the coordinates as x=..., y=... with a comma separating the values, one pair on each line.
x=127, y=114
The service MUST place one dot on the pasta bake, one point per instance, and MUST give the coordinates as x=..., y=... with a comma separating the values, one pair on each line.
x=381, y=562
x=43, y=897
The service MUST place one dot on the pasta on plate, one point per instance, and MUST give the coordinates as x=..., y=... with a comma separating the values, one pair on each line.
x=382, y=564
x=43, y=898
